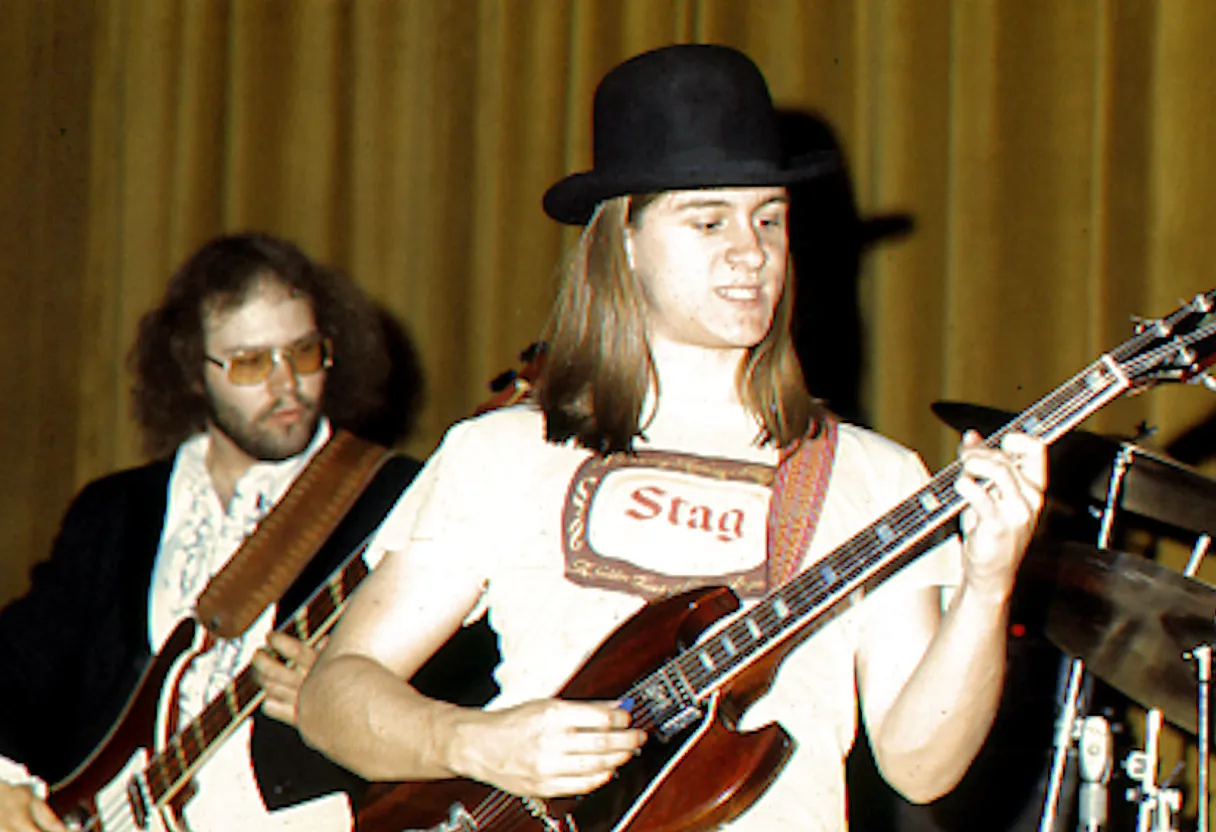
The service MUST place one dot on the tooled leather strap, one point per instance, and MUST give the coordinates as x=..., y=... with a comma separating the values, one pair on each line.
x=271, y=558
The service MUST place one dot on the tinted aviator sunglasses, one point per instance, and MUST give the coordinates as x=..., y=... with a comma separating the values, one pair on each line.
x=306, y=356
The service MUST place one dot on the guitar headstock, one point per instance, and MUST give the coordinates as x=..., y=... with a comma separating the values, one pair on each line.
x=512, y=386
x=1179, y=347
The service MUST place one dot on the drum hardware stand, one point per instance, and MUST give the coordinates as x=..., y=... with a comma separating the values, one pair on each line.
x=1068, y=728
x=1197, y=553
x=1157, y=806
x=1202, y=656
x=1095, y=758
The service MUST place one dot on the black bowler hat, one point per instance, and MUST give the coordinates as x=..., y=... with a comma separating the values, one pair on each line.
x=678, y=118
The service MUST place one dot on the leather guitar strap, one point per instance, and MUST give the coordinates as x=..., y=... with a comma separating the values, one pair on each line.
x=271, y=558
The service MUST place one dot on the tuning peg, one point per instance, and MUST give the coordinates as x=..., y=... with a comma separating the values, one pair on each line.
x=1141, y=324
x=1206, y=380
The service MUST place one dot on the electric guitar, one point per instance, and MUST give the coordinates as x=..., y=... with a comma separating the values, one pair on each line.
x=687, y=688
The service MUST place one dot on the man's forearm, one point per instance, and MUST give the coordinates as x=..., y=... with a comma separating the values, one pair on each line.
x=363, y=717
x=941, y=718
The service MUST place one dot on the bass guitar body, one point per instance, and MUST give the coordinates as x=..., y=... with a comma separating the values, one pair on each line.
x=695, y=771
x=109, y=790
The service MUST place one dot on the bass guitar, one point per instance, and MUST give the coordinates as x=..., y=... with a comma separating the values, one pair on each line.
x=116, y=789
x=687, y=666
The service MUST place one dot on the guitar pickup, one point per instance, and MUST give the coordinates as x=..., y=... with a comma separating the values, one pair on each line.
x=678, y=723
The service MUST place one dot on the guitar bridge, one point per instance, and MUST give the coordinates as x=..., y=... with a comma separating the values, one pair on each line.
x=459, y=820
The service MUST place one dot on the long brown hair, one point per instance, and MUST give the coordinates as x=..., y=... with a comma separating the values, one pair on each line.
x=168, y=395
x=598, y=367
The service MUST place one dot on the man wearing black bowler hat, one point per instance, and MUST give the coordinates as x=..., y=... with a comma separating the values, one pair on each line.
x=672, y=446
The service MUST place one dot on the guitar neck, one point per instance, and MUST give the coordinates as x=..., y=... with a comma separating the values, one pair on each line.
x=170, y=769
x=749, y=634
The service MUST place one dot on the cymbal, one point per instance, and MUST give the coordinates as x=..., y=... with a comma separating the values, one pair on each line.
x=1154, y=487
x=1130, y=620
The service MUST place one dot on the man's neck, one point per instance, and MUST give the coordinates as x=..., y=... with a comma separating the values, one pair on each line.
x=226, y=464
x=696, y=374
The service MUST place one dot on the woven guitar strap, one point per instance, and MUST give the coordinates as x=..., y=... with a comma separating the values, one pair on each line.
x=799, y=488
x=271, y=558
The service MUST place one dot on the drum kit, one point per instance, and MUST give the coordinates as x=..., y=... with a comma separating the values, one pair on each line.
x=1144, y=630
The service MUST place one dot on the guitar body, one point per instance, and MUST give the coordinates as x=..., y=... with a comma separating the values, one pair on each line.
x=700, y=777
x=104, y=790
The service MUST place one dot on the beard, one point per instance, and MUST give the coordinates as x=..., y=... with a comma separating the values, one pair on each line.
x=260, y=439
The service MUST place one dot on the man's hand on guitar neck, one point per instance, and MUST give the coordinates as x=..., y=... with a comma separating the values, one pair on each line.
x=280, y=670
x=22, y=811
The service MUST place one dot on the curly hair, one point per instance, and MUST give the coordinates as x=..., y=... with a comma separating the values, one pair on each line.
x=598, y=366
x=168, y=394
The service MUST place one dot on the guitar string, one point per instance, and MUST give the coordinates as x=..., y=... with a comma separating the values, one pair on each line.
x=810, y=589
x=911, y=512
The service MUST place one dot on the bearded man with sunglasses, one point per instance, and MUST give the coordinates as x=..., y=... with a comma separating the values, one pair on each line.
x=253, y=360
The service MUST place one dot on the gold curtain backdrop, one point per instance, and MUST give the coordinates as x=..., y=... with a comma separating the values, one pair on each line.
x=1054, y=155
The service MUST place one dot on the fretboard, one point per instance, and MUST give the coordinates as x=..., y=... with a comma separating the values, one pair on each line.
x=747, y=635
x=186, y=750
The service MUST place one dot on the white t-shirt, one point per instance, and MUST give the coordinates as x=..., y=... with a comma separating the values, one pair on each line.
x=564, y=549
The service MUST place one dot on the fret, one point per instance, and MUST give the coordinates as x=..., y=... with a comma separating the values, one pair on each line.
x=157, y=778
x=179, y=755
x=884, y=534
x=753, y=629
x=171, y=764
x=247, y=691
x=335, y=592
x=200, y=734
x=234, y=704
x=300, y=624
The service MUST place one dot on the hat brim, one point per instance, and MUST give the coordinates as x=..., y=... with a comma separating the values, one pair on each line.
x=572, y=200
